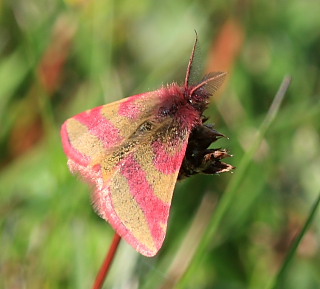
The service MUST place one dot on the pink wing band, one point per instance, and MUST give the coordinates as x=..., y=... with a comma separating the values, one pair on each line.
x=129, y=107
x=142, y=191
x=103, y=198
x=95, y=125
x=100, y=127
x=164, y=161
x=108, y=213
x=122, y=230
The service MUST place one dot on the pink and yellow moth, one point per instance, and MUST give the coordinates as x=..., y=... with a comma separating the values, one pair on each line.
x=133, y=151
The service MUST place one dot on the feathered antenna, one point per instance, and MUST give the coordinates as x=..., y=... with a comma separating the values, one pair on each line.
x=213, y=80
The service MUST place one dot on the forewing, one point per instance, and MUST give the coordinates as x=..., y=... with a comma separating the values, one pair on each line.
x=133, y=162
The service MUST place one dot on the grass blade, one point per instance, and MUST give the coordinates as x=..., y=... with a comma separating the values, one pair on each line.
x=276, y=282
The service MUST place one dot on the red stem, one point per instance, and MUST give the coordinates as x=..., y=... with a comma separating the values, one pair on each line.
x=107, y=263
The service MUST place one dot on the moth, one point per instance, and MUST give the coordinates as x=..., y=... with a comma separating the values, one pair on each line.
x=134, y=150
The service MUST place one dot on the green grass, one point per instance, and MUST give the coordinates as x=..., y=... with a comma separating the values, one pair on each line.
x=255, y=228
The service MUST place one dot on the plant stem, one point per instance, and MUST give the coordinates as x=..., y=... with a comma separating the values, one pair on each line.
x=107, y=262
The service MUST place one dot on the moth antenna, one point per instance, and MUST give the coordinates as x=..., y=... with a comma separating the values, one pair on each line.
x=216, y=80
x=186, y=82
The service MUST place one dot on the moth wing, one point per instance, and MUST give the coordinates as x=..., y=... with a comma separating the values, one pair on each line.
x=133, y=193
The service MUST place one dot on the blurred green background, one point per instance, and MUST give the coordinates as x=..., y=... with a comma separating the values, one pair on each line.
x=233, y=231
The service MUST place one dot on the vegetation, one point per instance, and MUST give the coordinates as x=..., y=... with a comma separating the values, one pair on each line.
x=233, y=231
